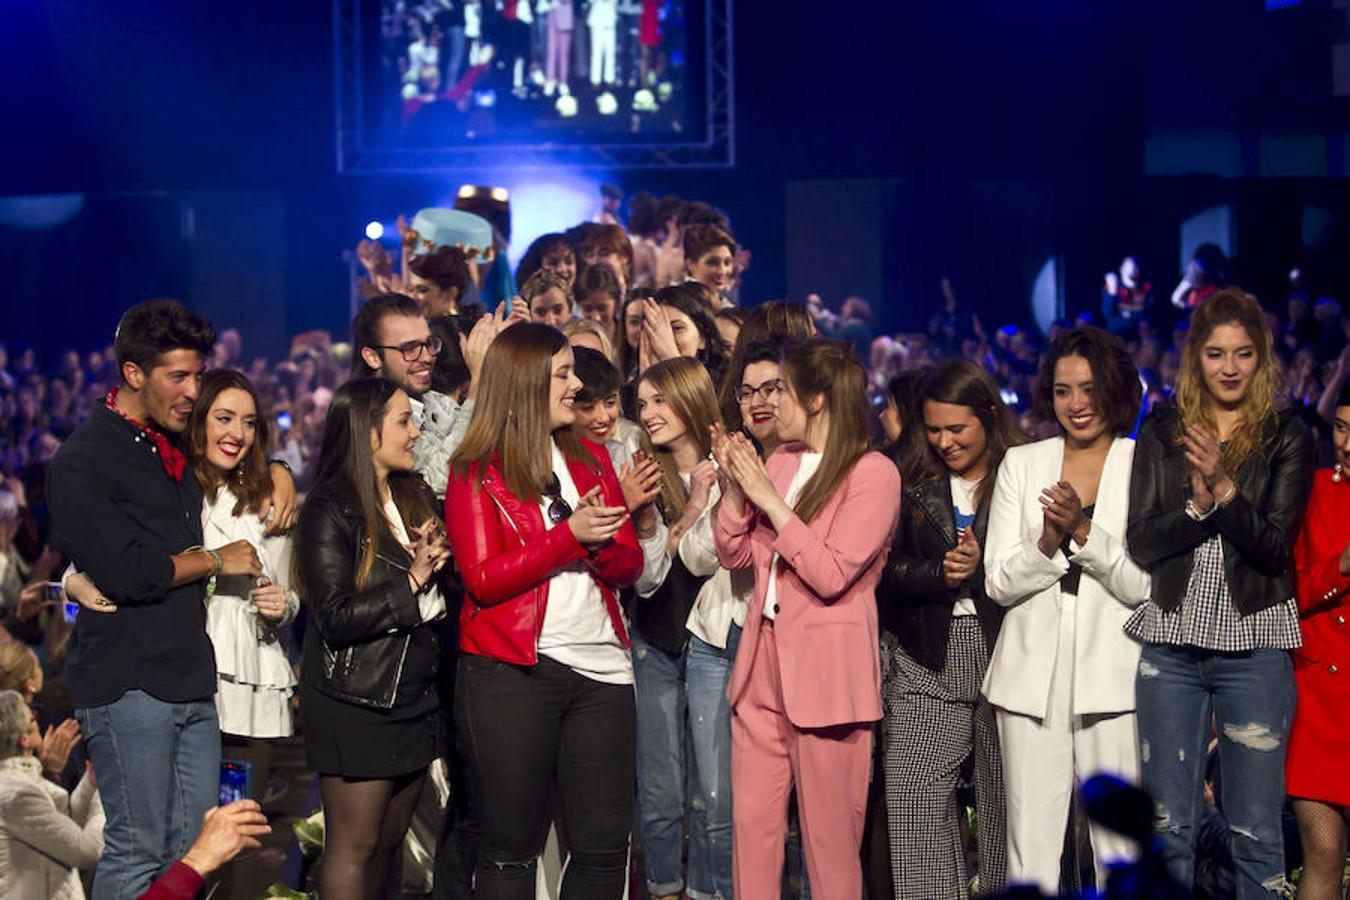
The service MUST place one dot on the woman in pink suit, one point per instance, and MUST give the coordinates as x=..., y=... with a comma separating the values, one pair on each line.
x=816, y=523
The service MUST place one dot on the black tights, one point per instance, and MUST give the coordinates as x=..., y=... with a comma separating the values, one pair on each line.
x=364, y=824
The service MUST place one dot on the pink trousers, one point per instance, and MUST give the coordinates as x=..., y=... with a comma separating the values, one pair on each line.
x=829, y=767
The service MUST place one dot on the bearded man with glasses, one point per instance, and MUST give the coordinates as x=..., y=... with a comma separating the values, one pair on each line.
x=392, y=340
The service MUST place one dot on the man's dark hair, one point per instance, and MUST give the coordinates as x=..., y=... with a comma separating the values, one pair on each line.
x=599, y=379
x=151, y=329
x=366, y=325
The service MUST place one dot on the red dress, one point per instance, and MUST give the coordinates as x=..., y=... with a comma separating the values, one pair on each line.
x=1318, y=764
x=649, y=26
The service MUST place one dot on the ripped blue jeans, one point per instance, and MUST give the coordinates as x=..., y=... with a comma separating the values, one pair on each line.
x=1250, y=699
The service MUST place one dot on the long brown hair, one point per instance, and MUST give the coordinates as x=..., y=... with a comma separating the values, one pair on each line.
x=511, y=418
x=1257, y=415
x=688, y=389
x=251, y=480
x=962, y=383
x=345, y=459
x=829, y=369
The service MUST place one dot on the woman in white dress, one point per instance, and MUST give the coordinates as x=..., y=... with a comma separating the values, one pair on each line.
x=245, y=617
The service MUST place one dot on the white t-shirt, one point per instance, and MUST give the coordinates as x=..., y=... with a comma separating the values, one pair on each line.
x=577, y=631
x=810, y=462
x=430, y=603
x=963, y=514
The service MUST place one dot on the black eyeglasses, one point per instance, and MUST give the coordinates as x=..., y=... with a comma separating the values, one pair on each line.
x=411, y=350
x=558, y=509
x=768, y=390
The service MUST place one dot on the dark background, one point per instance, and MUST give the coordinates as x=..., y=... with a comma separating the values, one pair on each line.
x=880, y=146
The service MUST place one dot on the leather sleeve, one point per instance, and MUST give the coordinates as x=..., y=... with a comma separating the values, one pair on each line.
x=493, y=569
x=908, y=576
x=1157, y=531
x=327, y=562
x=1265, y=535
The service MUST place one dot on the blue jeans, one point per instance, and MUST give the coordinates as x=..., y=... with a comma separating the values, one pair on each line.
x=707, y=671
x=1251, y=697
x=158, y=769
x=666, y=775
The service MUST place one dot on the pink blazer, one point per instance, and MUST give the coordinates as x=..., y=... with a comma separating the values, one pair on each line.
x=826, y=625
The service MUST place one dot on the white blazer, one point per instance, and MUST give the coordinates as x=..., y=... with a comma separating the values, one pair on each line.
x=1020, y=577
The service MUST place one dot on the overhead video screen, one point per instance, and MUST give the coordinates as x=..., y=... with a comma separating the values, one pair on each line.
x=426, y=84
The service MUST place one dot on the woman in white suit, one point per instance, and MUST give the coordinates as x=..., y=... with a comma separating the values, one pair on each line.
x=1061, y=679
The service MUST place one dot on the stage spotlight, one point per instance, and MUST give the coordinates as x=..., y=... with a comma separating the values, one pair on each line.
x=566, y=106
x=374, y=231
x=606, y=105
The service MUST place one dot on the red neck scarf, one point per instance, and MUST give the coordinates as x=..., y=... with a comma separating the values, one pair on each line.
x=173, y=458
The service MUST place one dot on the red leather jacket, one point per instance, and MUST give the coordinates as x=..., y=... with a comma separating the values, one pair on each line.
x=506, y=558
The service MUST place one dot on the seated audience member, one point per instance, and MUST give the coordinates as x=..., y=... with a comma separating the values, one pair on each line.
x=226, y=832
x=47, y=835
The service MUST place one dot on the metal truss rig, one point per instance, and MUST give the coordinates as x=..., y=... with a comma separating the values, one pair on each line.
x=717, y=150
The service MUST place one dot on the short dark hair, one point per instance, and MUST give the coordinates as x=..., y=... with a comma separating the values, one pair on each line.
x=151, y=329
x=1115, y=380
x=366, y=325
x=596, y=280
x=599, y=379
x=700, y=213
x=699, y=239
x=445, y=267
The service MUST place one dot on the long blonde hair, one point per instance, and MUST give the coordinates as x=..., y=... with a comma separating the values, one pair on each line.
x=688, y=389
x=1257, y=415
x=829, y=369
x=511, y=418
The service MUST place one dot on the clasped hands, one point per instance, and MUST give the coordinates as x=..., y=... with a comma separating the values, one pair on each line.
x=1208, y=477
x=1063, y=517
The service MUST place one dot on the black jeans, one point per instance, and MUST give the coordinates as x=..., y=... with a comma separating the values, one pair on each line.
x=526, y=729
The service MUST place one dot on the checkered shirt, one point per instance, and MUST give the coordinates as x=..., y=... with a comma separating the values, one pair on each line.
x=1207, y=618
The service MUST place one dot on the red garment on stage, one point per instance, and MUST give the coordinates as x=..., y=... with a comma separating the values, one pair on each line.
x=1318, y=764
x=649, y=26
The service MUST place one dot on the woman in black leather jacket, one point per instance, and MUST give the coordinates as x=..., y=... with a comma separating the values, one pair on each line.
x=369, y=552
x=1217, y=493
x=932, y=601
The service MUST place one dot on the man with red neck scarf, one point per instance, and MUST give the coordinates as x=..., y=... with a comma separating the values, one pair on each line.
x=126, y=508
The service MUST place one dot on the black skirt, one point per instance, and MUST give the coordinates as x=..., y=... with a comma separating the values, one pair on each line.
x=359, y=742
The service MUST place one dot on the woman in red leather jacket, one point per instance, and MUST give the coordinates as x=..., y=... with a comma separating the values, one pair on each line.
x=545, y=683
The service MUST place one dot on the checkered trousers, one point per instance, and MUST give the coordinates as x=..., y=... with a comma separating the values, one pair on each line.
x=934, y=720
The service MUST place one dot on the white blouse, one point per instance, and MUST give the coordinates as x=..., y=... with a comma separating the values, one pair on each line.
x=254, y=675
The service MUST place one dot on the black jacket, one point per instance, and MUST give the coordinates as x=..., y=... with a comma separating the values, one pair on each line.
x=1258, y=526
x=368, y=647
x=914, y=601
x=120, y=518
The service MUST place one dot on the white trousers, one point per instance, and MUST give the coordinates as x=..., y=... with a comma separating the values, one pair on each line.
x=602, y=53
x=1042, y=761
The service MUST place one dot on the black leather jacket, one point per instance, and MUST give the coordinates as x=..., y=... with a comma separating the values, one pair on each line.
x=1257, y=527
x=914, y=601
x=368, y=647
